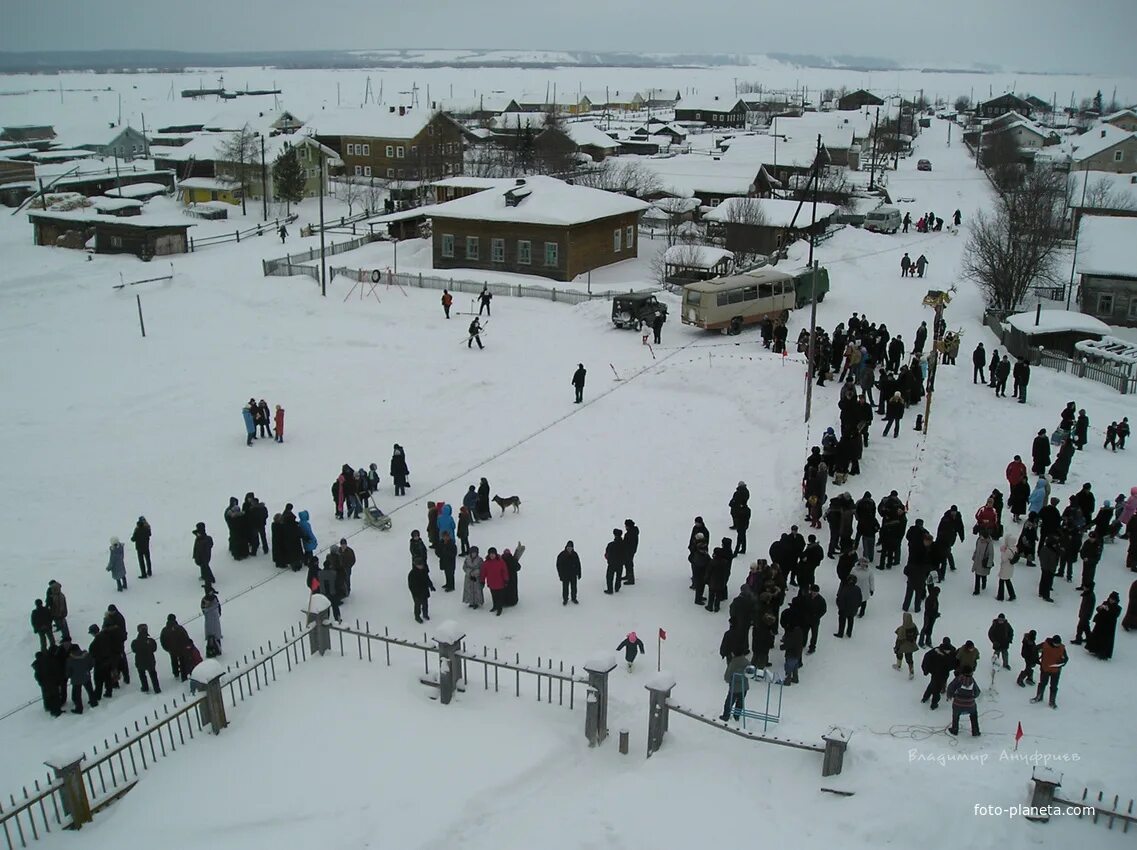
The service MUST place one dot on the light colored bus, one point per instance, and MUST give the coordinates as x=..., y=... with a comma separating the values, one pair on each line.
x=736, y=300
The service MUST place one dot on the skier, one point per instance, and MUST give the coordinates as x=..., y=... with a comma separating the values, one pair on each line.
x=420, y=585
x=250, y=424
x=472, y=594
x=963, y=691
x=399, y=470
x=578, y=382
x=203, y=553
x=474, y=331
x=484, y=299
x=447, y=300
x=1052, y=658
x=145, y=648
x=568, y=571
x=141, y=540
x=116, y=564
x=632, y=647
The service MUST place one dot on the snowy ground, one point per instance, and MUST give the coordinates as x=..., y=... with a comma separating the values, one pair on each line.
x=109, y=426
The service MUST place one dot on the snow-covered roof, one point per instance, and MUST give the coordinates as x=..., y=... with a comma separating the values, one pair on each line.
x=1107, y=246
x=1057, y=321
x=677, y=206
x=90, y=217
x=215, y=184
x=105, y=204
x=464, y=182
x=1100, y=138
x=137, y=190
x=58, y=155
x=1110, y=348
x=687, y=174
x=544, y=200
x=371, y=122
x=696, y=256
x=1103, y=190
x=775, y=212
x=239, y=114
x=709, y=102
x=1121, y=113
x=513, y=120
x=100, y=136
x=587, y=134
x=783, y=149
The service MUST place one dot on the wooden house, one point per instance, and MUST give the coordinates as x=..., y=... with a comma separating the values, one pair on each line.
x=393, y=143
x=1107, y=268
x=764, y=225
x=144, y=237
x=858, y=100
x=712, y=110
x=1004, y=103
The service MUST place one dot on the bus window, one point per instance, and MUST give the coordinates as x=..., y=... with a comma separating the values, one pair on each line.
x=736, y=296
x=723, y=299
x=764, y=290
x=750, y=293
x=694, y=297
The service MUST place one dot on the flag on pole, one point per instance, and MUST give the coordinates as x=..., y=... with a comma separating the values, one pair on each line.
x=659, y=648
x=662, y=634
x=1018, y=734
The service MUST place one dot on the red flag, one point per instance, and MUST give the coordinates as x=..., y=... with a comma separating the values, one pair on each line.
x=1018, y=734
x=315, y=584
x=662, y=634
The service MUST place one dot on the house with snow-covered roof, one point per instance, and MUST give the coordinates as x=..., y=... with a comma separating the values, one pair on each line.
x=1107, y=268
x=712, y=110
x=121, y=142
x=392, y=143
x=538, y=226
x=1101, y=193
x=1104, y=148
x=997, y=106
x=751, y=226
x=1124, y=119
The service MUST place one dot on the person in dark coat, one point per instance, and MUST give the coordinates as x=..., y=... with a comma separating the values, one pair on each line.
x=978, y=361
x=568, y=571
x=700, y=567
x=420, y=585
x=718, y=576
x=237, y=523
x=49, y=678
x=963, y=691
x=417, y=548
x=993, y=369
x=41, y=625
x=145, y=650
x=614, y=558
x=140, y=537
x=483, y=506
x=931, y=614
x=513, y=565
x=948, y=531
x=463, y=530
x=578, y=382
x=815, y=608
x=175, y=641
x=256, y=516
x=447, y=552
x=937, y=664
x=849, y=600
x=1081, y=430
x=631, y=545
x=470, y=503
x=894, y=412
x=399, y=470
x=277, y=547
x=1029, y=654
x=202, y=553
x=1101, y=637
x=1086, y=609
x=793, y=642
x=1040, y=453
x=1061, y=466
x=104, y=658
x=78, y=671
x=1001, y=634
x=1130, y=621
x=632, y=647
x=115, y=625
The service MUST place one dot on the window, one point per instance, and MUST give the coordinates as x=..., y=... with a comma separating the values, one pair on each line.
x=497, y=250
x=525, y=255
x=448, y=244
x=367, y=171
x=551, y=249
x=698, y=116
x=1118, y=155
x=366, y=150
x=430, y=129
x=1132, y=307
x=472, y=247
x=414, y=150
x=390, y=172
x=358, y=170
x=616, y=240
x=630, y=236
x=716, y=201
x=390, y=151
x=1105, y=304
x=401, y=173
x=399, y=151
x=750, y=293
x=116, y=241
x=350, y=149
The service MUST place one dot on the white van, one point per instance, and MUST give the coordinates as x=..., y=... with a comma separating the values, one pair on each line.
x=883, y=220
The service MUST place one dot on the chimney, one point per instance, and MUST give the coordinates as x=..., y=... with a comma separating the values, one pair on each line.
x=402, y=110
x=1103, y=133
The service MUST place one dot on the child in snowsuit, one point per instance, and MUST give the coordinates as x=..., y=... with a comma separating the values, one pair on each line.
x=632, y=646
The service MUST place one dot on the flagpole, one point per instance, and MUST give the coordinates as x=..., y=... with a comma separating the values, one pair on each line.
x=658, y=650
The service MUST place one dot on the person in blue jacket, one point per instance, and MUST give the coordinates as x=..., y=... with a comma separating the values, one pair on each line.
x=445, y=521
x=307, y=537
x=470, y=503
x=1039, y=495
x=250, y=425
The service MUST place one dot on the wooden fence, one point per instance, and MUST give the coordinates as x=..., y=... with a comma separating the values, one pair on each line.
x=293, y=263
x=237, y=235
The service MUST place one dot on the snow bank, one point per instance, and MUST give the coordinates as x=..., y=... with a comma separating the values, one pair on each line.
x=207, y=671
x=661, y=681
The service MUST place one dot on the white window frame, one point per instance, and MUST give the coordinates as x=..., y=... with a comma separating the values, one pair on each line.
x=401, y=173
x=630, y=236
x=367, y=171
x=1104, y=296
x=497, y=250
x=556, y=254
x=525, y=255
x=1118, y=155
x=475, y=243
x=448, y=245
x=390, y=151
x=390, y=173
x=400, y=152
x=617, y=240
x=698, y=116
x=359, y=171
x=350, y=149
x=366, y=150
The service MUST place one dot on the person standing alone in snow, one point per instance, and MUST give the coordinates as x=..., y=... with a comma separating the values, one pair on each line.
x=578, y=382
x=116, y=565
x=447, y=300
x=475, y=331
x=632, y=647
x=568, y=571
x=141, y=540
x=484, y=300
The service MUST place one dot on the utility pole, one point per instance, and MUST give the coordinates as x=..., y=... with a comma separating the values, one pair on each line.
x=323, y=266
x=813, y=265
x=872, y=162
x=264, y=180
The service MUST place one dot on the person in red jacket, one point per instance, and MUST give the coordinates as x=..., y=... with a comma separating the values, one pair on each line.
x=1016, y=471
x=279, y=424
x=495, y=576
x=986, y=517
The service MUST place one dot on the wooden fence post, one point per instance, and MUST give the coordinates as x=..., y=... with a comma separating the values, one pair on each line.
x=72, y=790
x=208, y=673
x=1045, y=780
x=449, y=638
x=659, y=689
x=317, y=615
x=833, y=759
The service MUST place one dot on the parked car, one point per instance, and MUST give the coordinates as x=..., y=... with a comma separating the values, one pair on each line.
x=924, y=165
x=635, y=309
x=883, y=220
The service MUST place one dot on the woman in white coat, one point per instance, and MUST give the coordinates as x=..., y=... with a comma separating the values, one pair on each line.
x=472, y=592
x=1008, y=554
x=982, y=560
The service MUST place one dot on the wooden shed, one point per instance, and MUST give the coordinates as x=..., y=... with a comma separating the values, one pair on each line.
x=145, y=238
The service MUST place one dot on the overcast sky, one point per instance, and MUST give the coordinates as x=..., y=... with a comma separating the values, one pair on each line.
x=1036, y=35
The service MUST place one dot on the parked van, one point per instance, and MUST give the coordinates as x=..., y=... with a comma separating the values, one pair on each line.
x=883, y=220
x=728, y=303
x=805, y=286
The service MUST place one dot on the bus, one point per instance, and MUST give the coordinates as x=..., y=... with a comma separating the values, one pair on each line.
x=728, y=303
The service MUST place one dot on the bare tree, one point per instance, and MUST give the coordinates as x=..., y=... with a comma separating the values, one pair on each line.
x=621, y=175
x=1017, y=246
x=239, y=154
x=373, y=194
x=1003, y=159
x=739, y=219
x=962, y=103
x=1099, y=194
x=350, y=192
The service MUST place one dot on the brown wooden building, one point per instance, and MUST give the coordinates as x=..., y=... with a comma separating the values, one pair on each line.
x=145, y=238
x=538, y=226
x=393, y=143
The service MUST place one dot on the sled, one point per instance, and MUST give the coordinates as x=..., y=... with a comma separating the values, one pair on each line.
x=375, y=518
x=1059, y=436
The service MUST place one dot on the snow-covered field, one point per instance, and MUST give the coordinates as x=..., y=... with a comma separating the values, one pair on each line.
x=102, y=425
